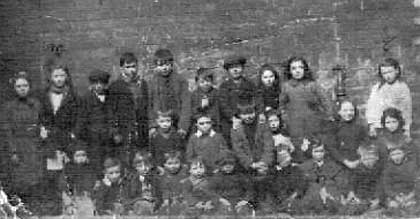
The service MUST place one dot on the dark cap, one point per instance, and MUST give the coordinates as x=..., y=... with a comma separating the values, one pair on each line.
x=99, y=76
x=164, y=55
x=234, y=60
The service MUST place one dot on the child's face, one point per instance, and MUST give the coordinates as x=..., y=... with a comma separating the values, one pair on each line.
x=204, y=84
x=297, y=70
x=129, y=70
x=98, y=87
x=197, y=169
x=347, y=111
x=113, y=173
x=318, y=153
x=58, y=77
x=204, y=124
x=397, y=156
x=389, y=73
x=247, y=118
x=80, y=157
x=236, y=71
x=22, y=87
x=164, y=123
x=164, y=68
x=228, y=168
x=172, y=165
x=274, y=122
x=391, y=124
x=143, y=168
x=268, y=78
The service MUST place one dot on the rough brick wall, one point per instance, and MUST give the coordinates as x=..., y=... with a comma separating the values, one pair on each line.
x=355, y=33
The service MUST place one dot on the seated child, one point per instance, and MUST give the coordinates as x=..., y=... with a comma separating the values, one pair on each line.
x=278, y=132
x=165, y=139
x=143, y=193
x=232, y=187
x=206, y=143
x=171, y=186
x=198, y=196
x=109, y=194
x=399, y=180
x=327, y=182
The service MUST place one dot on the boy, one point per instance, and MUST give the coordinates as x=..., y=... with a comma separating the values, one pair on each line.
x=206, y=143
x=205, y=99
x=233, y=187
x=237, y=89
x=166, y=139
x=109, y=194
x=143, y=193
x=169, y=91
x=128, y=109
x=92, y=125
x=326, y=182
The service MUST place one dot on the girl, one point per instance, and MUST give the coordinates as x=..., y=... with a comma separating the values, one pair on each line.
x=268, y=90
x=280, y=136
x=347, y=135
x=303, y=101
x=391, y=91
x=22, y=136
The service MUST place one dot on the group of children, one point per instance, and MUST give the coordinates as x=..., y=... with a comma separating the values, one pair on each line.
x=140, y=147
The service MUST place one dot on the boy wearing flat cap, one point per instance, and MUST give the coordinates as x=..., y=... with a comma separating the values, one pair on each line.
x=237, y=89
x=92, y=125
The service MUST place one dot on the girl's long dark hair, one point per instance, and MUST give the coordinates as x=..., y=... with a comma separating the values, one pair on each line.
x=307, y=72
x=393, y=113
x=267, y=67
x=389, y=62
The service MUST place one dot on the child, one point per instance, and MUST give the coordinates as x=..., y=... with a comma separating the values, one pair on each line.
x=93, y=124
x=169, y=91
x=144, y=196
x=364, y=183
x=287, y=183
x=166, y=139
x=326, y=180
x=252, y=143
x=268, y=90
x=391, y=91
x=171, y=186
x=206, y=143
x=198, y=196
x=347, y=133
x=234, y=90
x=304, y=102
x=399, y=180
x=205, y=99
x=232, y=186
x=109, y=194
x=280, y=137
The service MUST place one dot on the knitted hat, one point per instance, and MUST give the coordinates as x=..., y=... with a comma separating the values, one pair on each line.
x=234, y=60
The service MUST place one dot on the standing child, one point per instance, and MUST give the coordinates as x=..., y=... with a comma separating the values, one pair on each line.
x=304, y=102
x=235, y=90
x=206, y=143
x=205, y=99
x=391, y=91
x=166, y=139
x=268, y=90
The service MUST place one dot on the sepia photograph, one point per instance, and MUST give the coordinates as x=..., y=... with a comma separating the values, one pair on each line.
x=120, y=109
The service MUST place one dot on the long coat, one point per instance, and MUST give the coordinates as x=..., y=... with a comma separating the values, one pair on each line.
x=22, y=137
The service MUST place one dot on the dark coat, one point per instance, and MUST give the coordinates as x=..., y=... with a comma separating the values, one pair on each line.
x=213, y=109
x=286, y=181
x=171, y=185
x=399, y=179
x=159, y=145
x=366, y=183
x=267, y=98
x=106, y=196
x=80, y=177
x=148, y=190
x=199, y=191
x=233, y=187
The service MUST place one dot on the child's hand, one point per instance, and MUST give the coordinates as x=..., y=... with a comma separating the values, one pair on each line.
x=261, y=119
x=152, y=132
x=351, y=164
x=106, y=181
x=208, y=206
x=117, y=138
x=240, y=204
x=393, y=204
x=182, y=132
x=205, y=102
x=224, y=202
x=236, y=123
x=15, y=158
x=160, y=170
x=374, y=203
x=305, y=145
x=325, y=195
x=43, y=132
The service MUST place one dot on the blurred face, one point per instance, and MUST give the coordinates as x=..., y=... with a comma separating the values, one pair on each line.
x=164, y=123
x=389, y=73
x=247, y=118
x=80, y=157
x=143, y=168
x=297, y=70
x=236, y=71
x=172, y=165
x=397, y=156
x=274, y=122
x=228, y=168
x=98, y=87
x=347, y=111
x=318, y=153
x=113, y=173
x=369, y=162
x=129, y=70
x=22, y=87
x=197, y=170
x=204, y=124
x=268, y=78
x=204, y=84
x=58, y=78
x=391, y=124
x=164, y=68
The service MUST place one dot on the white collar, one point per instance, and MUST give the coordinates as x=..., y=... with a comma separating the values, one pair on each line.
x=199, y=133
